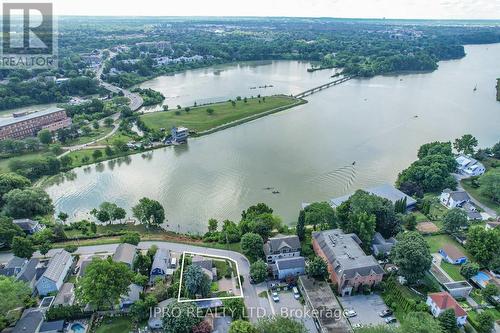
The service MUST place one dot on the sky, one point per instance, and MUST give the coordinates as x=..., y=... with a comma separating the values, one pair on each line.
x=405, y=9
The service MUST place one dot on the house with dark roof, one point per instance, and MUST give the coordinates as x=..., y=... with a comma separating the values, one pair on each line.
x=133, y=295
x=453, y=199
x=382, y=246
x=30, y=227
x=280, y=247
x=13, y=267
x=452, y=254
x=126, y=254
x=53, y=278
x=28, y=273
x=30, y=322
x=206, y=266
x=56, y=326
x=161, y=265
x=289, y=268
x=439, y=302
x=348, y=266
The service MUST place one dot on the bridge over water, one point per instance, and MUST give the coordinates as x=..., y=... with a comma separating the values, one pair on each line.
x=323, y=86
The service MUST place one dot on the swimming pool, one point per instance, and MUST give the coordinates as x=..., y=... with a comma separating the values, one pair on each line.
x=78, y=328
x=481, y=278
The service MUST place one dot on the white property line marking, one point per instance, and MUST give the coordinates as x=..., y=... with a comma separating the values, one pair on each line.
x=211, y=298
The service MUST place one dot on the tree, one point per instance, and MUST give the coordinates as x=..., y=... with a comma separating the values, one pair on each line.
x=495, y=150
x=203, y=327
x=131, y=238
x=484, y=322
x=241, y=326
x=256, y=210
x=258, y=271
x=196, y=281
x=489, y=291
x=104, y=282
x=251, y=246
x=140, y=310
x=301, y=225
x=180, y=317
x=230, y=232
x=13, y=294
x=212, y=225
x=108, y=122
x=149, y=212
x=490, y=185
x=410, y=222
x=10, y=181
x=210, y=111
x=454, y=219
x=95, y=124
x=108, y=151
x=420, y=322
x=44, y=248
x=28, y=202
x=142, y=263
x=469, y=269
x=8, y=230
x=45, y=136
x=65, y=161
x=235, y=307
x=62, y=216
x=320, y=213
x=96, y=154
x=483, y=244
x=411, y=254
x=317, y=268
x=262, y=224
x=465, y=144
x=363, y=225
x=22, y=247
x=448, y=321
x=280, y=324
x=56, y=149
x=435, y=148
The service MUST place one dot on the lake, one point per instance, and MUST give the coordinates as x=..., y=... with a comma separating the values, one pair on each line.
x=306, y=153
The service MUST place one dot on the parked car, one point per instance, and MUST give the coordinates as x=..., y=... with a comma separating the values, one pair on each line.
x=296, y=294
x=385, y=313
x=390, y=320
x=350, y=313
x=276, y=297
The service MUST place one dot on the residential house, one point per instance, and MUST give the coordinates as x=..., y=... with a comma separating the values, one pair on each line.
x=382, y=246
x=458, y=289
x=206, y=266
x=471, y=211
x=53, y=278
x=385, y=191
x=439, y=302
x=179, y=134
x=492, y=225
x=30, y=322
x=52, y=327
x=280, y=247
x=28, y=273
x=453, y=199
x=134, y=294
x=452, y=254
x=13, y=267
x=156, y=316
x=348, y=266
x=65, y=296
x=289, y=268
x=126, y=254
x=161, y=265
x=468, y=166
x=29, y=226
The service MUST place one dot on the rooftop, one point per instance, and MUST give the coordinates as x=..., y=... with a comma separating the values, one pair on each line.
x=293, y=262
x=275, y=244
x=443, y=300
x=125, y=253
x=386, y=191
x=452, y=251
x=161, y=259
x=10, y=121
x=57, y=265
x=457, y=195
x=30, y=322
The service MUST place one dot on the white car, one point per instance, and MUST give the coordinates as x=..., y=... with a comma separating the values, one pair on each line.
x=275, y=296
x=350, y=313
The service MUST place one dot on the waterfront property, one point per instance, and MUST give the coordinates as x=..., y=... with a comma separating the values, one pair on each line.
x=452, y=254
x=179, y=134
x=161, y=265
x=385, y=191
x=439, y=302
x=468, y=166
x=53, y=278
x=280, y=246
x=24, y=125
x=348, y=266
x=126, y=254
x=29, y=226
x=453, y=199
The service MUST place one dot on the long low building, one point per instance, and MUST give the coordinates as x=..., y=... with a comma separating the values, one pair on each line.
x=23, y=125
x=386, y=191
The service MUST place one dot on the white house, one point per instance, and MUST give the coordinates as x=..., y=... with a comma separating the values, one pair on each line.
x=453, y=199
x=280, y=247
x=439, y=302
x=469, y=167
x=53, y=278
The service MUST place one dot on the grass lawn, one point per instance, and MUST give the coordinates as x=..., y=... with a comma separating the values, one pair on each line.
x=4, y=162
x=437, y=241
x=476, y=194
x=115, y=325
x=95, y=134
x=452, y=270
x=420, y=217
x=198, y=119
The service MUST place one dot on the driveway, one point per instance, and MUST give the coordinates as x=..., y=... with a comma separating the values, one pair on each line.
x=486, y=209
x=367, y=307
x=288, y=306
x=253, y=302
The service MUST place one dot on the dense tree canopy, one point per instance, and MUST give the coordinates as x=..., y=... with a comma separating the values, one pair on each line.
x=28, y=202
x=12, y=293
x=251, y=246
x=258, y=271
x=411, y=254
x=8, y=230
x=482, y=244
x=466, y=144
x=320, y=214
x=196, y=281
x=149, y=212
x=10, y=181
x=181, y=317
x=280, y=324
x=454, y=219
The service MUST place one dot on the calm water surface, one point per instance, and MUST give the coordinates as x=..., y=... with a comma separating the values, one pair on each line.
x=305, y=153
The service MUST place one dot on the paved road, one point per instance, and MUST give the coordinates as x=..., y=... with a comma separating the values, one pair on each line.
x=250, y=291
